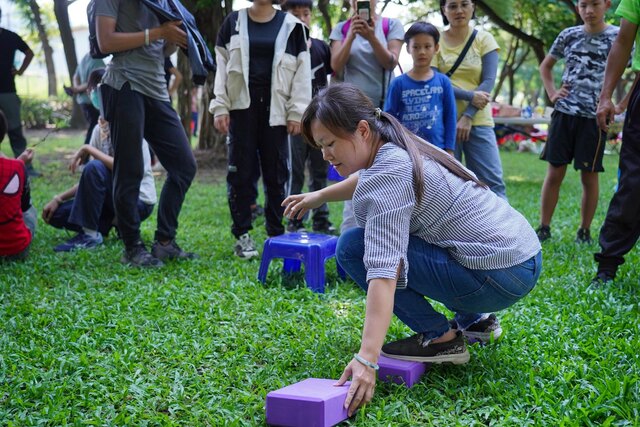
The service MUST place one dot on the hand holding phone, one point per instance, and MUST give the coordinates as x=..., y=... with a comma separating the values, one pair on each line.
x=363, y=9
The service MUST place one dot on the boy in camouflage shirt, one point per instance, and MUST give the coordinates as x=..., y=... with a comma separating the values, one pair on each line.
x=573, y=132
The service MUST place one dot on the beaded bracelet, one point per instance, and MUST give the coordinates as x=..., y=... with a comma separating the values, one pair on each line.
x=365, y=362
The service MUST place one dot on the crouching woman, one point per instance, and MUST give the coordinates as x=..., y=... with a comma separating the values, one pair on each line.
x=428, y=229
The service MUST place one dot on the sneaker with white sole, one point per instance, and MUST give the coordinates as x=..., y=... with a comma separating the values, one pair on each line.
x=482, y=331
x=80, y=241
x=417, y=349
x=245, y=247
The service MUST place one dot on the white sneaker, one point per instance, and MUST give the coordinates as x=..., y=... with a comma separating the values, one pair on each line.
x=245, y=247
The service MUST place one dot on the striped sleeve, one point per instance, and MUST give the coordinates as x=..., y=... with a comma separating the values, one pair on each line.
x=388, y=200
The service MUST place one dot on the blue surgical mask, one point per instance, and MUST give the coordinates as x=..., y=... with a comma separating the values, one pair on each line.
x=96, y=99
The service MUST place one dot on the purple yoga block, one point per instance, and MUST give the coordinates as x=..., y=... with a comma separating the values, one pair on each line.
x=401, y=371
x=313, y=402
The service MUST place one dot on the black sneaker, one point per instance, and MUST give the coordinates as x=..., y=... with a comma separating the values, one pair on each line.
x=417, y=349
x=603, y=278
x=484, y=330
x=138, y=256
x=544, y=233
x=170, y=251
x=583, y=236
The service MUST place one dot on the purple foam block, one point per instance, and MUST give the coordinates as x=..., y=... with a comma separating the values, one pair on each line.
x=401, y=371
x=313, y=402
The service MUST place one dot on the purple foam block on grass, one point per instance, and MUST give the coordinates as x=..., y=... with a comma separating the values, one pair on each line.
x=313, y=402
x=400, y=371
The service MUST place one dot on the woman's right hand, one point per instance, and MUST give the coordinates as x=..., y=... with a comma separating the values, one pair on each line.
x=221, y=123
x=297, y=205
x=463, y=129
x=480, y=99
x=356, y=25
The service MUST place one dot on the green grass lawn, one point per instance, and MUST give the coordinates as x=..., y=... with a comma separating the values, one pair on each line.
x=87, y=341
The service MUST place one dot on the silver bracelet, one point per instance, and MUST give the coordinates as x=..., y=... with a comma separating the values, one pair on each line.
x=365, y=362
x=146, y=37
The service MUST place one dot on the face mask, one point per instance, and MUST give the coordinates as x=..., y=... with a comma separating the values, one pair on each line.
x=94, y=95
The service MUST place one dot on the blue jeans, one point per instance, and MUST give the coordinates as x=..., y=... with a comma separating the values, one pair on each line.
x=482, y=158
x=435, y=274
x=92, y=207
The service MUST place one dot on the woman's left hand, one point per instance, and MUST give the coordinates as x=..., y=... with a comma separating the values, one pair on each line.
x=363, y=384
x=362, y=27
x=463, y=129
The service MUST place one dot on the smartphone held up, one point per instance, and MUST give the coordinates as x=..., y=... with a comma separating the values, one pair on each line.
x=364, y=10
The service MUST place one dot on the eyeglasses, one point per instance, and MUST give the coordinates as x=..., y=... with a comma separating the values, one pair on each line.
x=452, y=7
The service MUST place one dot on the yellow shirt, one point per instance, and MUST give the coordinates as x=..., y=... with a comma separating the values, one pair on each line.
x=468, y=74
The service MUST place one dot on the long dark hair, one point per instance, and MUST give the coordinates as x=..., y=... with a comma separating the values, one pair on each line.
x=340, y=107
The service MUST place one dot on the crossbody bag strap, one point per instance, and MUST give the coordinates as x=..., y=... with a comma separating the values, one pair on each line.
x=465, y=49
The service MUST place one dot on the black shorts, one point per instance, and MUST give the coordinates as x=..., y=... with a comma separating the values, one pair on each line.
x=575, y=138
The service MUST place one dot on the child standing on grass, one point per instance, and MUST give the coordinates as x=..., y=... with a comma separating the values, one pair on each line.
x=302, y=153
x=422, y=99
x=621, y=227
x=426, y=228
x=573, y=132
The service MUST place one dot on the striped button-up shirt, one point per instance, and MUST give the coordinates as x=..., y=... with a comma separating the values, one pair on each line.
x=480, y=230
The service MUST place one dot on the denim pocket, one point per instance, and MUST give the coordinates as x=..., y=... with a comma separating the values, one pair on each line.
x=495, y=293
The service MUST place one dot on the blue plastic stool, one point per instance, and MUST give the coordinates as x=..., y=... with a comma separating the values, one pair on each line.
x=333, y=175
x=311, y=248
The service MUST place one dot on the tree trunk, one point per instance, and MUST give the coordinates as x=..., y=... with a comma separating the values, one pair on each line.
x=184, y=92
x=513, y=46
x=323, y=7
x=46, y=48
x=512, y=87
x=69, y=46
x=209, y=19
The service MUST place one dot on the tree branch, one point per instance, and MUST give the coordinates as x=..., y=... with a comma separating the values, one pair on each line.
x=536, y=44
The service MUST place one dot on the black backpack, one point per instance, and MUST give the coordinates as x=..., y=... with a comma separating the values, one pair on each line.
x=94, y=49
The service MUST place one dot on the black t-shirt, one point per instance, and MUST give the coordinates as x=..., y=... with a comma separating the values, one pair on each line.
x=9, y=43
x=262, y=42
x=320, y=64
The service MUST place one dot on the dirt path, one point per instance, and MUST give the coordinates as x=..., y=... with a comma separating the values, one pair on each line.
x=210, y=169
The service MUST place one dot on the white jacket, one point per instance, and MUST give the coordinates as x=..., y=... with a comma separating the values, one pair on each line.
x=291, y=71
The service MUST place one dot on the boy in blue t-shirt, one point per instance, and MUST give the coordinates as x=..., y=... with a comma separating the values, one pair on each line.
x=422, y=99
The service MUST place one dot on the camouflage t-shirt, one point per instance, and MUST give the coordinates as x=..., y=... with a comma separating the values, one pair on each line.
x=585, y=58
